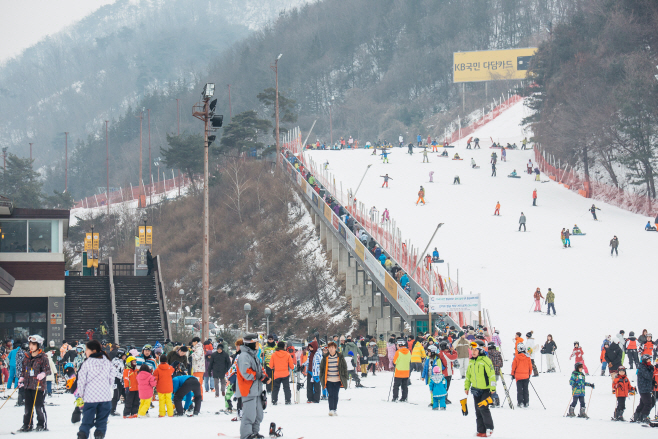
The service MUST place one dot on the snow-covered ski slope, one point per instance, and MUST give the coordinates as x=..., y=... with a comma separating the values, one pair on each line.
x=596, y=294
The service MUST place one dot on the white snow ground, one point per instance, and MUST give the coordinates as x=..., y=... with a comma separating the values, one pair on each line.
x=367, y=414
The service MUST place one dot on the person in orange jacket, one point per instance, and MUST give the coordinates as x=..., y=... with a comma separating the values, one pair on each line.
x=421, y=196
x=131, y=406
x=521, y=371
x=534, y=197
x=280, y=363
x=621, y=387
x=165, y=386
x=518, y=339
x=647, y=347
x=497, y=211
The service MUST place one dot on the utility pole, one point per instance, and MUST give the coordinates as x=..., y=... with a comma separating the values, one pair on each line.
x=30, y=151
x=201, y=110
x=107, y=170
x=150, y=172
x=230, y=114
x=275, y=67
x=66, y=162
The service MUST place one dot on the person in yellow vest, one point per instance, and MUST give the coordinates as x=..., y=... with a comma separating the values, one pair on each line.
x=418, y=355
x=402, y=363
x=268, y=350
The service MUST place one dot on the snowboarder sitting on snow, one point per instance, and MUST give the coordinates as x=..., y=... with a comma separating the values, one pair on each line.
x=456, y=157
x=444, y=153
x=513, y=174
x=435, y=255
x=649, y=227
x=577, y=383
x=576, y=230
x=473, y=165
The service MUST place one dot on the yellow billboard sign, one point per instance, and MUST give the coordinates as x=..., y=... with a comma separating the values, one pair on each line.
x=142, y=235
x=96, y=244
x=149, y=235
x=88, y=241
x=491, y=65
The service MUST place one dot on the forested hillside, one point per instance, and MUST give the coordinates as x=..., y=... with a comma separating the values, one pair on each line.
x=596, y=93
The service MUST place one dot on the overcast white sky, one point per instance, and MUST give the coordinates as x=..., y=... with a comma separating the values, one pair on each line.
x=24, y=22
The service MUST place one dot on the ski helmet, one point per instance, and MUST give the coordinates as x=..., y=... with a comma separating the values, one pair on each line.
x=147, y=347
x=577, y=366
x=492, y=345
x=121, y=352
x=520, y=347
x=432, y=348
x=36, y=339
x=649, y=335
x=620, y=368
x=646, y=358
x=631, y=334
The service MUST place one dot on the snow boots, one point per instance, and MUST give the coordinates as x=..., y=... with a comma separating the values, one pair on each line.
x=619, y=415
x=582, y=413
x=571, y=413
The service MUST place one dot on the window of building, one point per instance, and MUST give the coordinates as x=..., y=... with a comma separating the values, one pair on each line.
x=6, y=317
x=40, y=236
x=38, y=317
x=21, y=333
x=13, y=236
x=22, y=317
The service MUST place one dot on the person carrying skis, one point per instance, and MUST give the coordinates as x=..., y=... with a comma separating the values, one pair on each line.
x=521, y=371
x=481, y=381
x=421, y=196
x=250, y=379
x=34, y=369
x=622, y=388
x=578, y=353
x=497, y=211
x=614, y=243
x=538, y=296
x=548, y=351
x=645, y=387
x=593, y=210
x=386, y=179
x=577, y=383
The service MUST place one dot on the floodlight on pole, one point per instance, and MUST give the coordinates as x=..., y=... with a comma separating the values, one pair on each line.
x=208, y=90
x=268, y=312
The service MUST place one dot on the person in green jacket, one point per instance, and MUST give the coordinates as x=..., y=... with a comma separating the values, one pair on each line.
x=550, y=299
x=481, y=381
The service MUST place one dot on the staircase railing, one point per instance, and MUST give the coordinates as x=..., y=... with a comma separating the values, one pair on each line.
x=115, y=318
x=160, y=293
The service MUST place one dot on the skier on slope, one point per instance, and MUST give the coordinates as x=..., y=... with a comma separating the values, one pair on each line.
x=401, y=141
x=614, y=243
x=411, y=149
x=473, y=165
x=645, y=378
x=622, y=387
x=548, y=350
x=384, y=156
x=521, y=371
x=593, y=210
x=419, y=139
x=421, y=196
x=534, y=197
x=497, y=211
x=578, y=353
x=577, y=383
x=537, y=295
x=431, y=176
x=531, y=348
x=385, y=216
x=425, y=158
x=386, y=179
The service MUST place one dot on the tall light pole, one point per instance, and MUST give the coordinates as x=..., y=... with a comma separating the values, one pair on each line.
x=230, y=114
x=150, y=172
x=202, y=111
x=275, y=67
x=247, y=309
x=141, y=117
x=4, y=158
x=107, y=169
x=181, y=292
x=267, y=316
x=178, y=114
x=30, y=151
x=66, y=162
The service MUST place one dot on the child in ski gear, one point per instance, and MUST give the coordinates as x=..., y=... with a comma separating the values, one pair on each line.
x=421, y=196
x=386, y=179
x=604, y=363
x=513, y=174
x=351, y=366
x=438, y=388
x=164, y=376
x=521, y=371
x=145, y=383
x=631, y=350
x=578, y=353
x=593, y=210
x=622, y=388
x=497, y=211
x=131, y=407
x=577, y=383
x=456, y=157
x=614, y=243
x=576, y=230
x=32, y=377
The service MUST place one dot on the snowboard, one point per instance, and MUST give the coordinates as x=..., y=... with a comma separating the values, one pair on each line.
x=578, y=234
x=475, y=167
x=238, y=437
x=444, y=156
x=438, y=261
x=514, y=176
x=458, y=159
x=447, y=146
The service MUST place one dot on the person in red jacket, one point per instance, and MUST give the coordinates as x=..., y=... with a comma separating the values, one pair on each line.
x=521, y=371
x=621, y=386
x=165, y=386
x=647, y=347
x=534, y=196
x=578, y=353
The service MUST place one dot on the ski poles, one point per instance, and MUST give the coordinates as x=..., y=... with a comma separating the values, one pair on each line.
x=532, y=306
x=36, y=395
x=9, y=397
x=570, y=400
x=533, y=388
x=558, y=361
x=391, y=388
x=590, y=399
